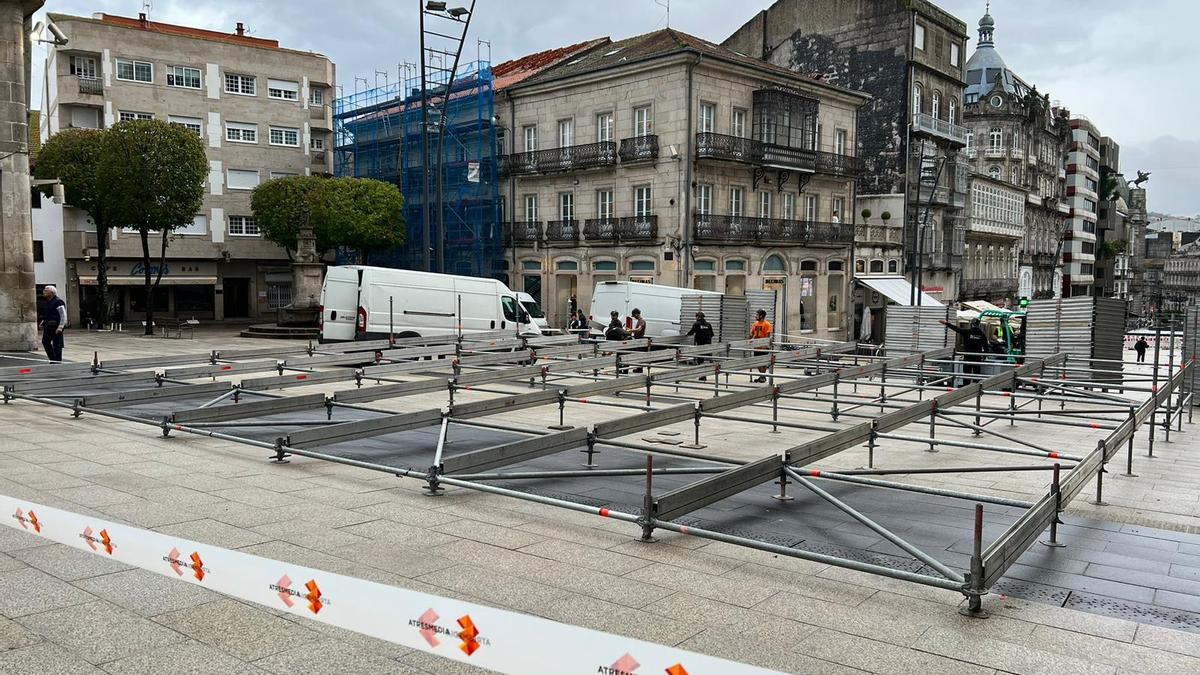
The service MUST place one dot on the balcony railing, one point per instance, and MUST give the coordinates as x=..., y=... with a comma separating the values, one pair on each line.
x=715, y=229
x=994, y=153
x=562, y=232
x=639, y=148
x=318, y=157
x=922, y=122
x=989, y=287
x=621, y=230
x=317, y=112
x=878, y=234
x=571, y=158
x=752, y=151
x=91, y=85
x=522, y=232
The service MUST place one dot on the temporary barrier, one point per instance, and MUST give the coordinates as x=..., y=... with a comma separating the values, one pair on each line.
x=479, y=635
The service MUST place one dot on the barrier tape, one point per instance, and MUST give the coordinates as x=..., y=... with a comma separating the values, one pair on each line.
x=487, y=637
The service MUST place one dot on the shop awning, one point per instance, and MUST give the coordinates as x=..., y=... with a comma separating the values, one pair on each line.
x=122, y=280
x=898, y=290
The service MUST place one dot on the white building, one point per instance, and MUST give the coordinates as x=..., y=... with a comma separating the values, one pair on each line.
x=49, y=259
x=1083, y=180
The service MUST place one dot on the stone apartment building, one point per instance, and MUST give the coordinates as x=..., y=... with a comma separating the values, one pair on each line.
x=910, y=57
x=995, y=230
x=1015, y=137
x=1083, y=197
x=667, y=159
x=263, y=112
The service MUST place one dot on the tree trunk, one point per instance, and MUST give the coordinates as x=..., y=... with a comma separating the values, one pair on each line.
x=102, y=302
x=149, y=300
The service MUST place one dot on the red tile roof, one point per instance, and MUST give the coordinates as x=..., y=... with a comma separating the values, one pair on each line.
x=187, y=31
x=511, y=72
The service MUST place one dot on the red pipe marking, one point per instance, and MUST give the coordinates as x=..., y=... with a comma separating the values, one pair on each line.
x=815, y=473
x=1007, y=393
x=949, y=388
x=26, y=371
x=1053, y=455
x=301, y=377
x=603, y=513
x=1095, y=425
x=1154, y=388
x=178, y=427
x=683, y=529
x=583, y=400
x=226, y=367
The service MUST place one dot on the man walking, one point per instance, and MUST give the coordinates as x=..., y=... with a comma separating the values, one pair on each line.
x=1140, y=347
x=52, y=318
x=703, y=332
x=761, y=328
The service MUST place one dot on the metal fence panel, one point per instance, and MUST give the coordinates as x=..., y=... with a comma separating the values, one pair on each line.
x=688, y=498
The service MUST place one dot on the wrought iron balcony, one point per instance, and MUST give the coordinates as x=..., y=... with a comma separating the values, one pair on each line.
x=91, y=85
x=922, y=122
x=522, y=232
x=562, y=232
x=989, y=287
x=752, y=151
x=620, y=230
x=639, y=148
x=742, y=230
x=570, y=158
x=878, y=234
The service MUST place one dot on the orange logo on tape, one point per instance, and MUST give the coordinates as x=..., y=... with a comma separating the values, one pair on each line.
x=197, y=566
x=313, y=597
x=103, y=540
x=677, y=669
x=467, y=635
x=26, y=521
x=108, y=545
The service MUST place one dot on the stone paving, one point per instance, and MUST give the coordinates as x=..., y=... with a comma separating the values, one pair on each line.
x=65, y=611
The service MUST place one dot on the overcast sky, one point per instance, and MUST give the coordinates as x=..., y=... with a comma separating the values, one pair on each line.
x=1129, y=67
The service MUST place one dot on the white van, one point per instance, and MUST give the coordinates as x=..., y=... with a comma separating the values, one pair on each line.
x=536, y=313
x=660, y=305
x=356, y=301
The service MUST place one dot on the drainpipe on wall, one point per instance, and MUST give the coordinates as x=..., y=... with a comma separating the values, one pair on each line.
x=906, y=114
x=511, y=204
x=688, y=159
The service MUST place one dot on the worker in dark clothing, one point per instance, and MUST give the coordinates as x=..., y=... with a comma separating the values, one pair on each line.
x=637, y=325
x=974, y=344
x=1140, y=347
x=579, y=323
x=52, y=319
x=703, y=333
x=615, y=330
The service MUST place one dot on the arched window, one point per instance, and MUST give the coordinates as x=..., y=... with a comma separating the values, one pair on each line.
x=531, y=265
x=970, y=136
x=605, y=266
x=836, y=265
x=935, y=103
x=567, y=266
x=774, y=263
x=893, y=266
x=994, y=172
x=916, y=98
x=860, y=266
x=706, y=266
x=876, y=267
x=808, y=265
x=641, y=266
x=735, y=265
x=996, y=138
x=953, y=110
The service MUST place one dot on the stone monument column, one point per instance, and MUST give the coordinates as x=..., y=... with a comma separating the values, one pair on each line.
x=18, y=303
x=308, y=273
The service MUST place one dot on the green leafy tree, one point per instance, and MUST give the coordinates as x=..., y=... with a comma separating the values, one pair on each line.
x=358, y=213
x=72, y=156
x=153, y=175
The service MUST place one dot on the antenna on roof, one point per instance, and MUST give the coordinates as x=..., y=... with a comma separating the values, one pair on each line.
x=146, y=8
x=667, y=5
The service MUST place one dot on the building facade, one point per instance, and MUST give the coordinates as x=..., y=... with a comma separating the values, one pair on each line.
x=1016, y=136
x=910, y=58
x=995, y=235
x=263, y=112
x=1082, y=195
x=666, y=159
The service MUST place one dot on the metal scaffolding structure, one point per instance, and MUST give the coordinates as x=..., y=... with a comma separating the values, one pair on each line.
x=920, y=399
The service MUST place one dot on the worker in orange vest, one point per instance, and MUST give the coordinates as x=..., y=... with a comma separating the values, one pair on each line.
x=761, y=329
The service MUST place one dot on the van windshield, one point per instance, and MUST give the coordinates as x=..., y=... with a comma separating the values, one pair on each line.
x=510, y=308
x=534, y=310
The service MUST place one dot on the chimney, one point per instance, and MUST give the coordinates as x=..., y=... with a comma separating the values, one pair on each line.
x=241, y=29
x=142, y=19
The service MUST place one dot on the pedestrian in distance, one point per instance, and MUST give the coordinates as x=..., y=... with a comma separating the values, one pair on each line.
x=761, y=328
x=1140, y=347
x=702, y=332
x=52, y=319
x=974, y=346
x=579, y=323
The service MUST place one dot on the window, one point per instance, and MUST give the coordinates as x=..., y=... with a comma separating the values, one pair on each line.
x=642, y=205
x=130, y=116
x=567, y=266
x=764, y=204
x=996, y=138
x=704, y=199
x=935, y=104
x=808, y=265
x=836, y=265
x=708, y=118
x=643, y=123
x=531, y=265
x=240, y=132
x=566, y=206
x=839, y=141
x=604, y=204
x=243, y=179
x=316, y=143
x=282, y=174
x=994, y=172
x=135, y=71
x=83, y=67
x=916, y=99
x=953, y=109
x=183, y=76
x=605, y=266
x=955, y=56
x=39, y=251
x=736, y=203
x=839, y=208
x=774, y=264
x=566, y=133
x=893, y=266
x=1089, y=205
x=531, y=208
x=193, y=124
x=706, y=266
x=788, y=208
x=531, y=139
x=316, y=97
x=288, y=136
x=919, y=36
x=1089, y=183
x=735, y=265
x=283, y=90
x=641, y=266
x=737, y=123
x=876, y=267
x=198, y=226
x=604, y=127
x=243, y=226
x=810, y=207
x=246, y=85
x=860, y=266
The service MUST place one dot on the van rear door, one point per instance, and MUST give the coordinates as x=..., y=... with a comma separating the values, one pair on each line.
x=339, y=304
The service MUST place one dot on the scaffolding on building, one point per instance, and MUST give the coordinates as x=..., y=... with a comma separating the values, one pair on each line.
x=379, y=135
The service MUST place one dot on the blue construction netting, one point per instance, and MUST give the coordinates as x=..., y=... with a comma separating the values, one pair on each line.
x=379, y=135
